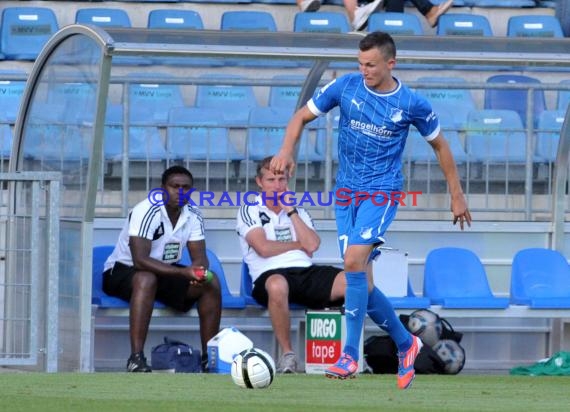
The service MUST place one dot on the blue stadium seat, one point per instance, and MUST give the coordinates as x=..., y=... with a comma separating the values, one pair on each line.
x=250, y=20
x=246, y=287
x=533, y=25
x=419, y=150
x=77, y=97
x=495, y=136
x=228, y=300
x=154, y=97
x=174, y=19
x=25, y=30
x=548, y=134
x=460, y=24
x=103, y=17
x=456, y=102
x=265, y=135
x=321, y=123
x=540, y=279
x=11, y=92
x=5, y=143
x=406, y=24
x=502, y=3
x=235, y=100
x=98, y=297
x=197, y=133
x=185, y=20
x=321, y=21
x=514, y=99
x=253, y=20
x=285, y=97
x=145, y=142
x=456, y=278
x=411, y=301
x=563, y=99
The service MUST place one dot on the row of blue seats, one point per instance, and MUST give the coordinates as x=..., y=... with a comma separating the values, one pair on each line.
x=192, y=133
x=458, y=3
x=454, y=278
x=155, y=99
x=464, y=24
x=24, y=30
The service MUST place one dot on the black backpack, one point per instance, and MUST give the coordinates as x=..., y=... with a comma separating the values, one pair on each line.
x=381, y=352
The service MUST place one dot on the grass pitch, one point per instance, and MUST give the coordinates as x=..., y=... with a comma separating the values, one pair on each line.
x=109, y=392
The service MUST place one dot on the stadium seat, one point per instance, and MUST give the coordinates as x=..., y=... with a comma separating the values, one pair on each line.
x=456, y=278
x=495, y=136
x=411, y=301
x=285, y=97
x=533, y=25
x=174, y=19
x=197, y=133
x=246, y=287
x=98, y=297
x=228, y=300
x=563, y=100
x=103, y=17
x=251, y=20
x=322, y=133
x=417, y=149
x=502, y=3
x=152, y=96
x=25, y=30
x=265, y=135
x=78, y=99
x=11, y=92
x=321, y=21
x=185, y=20
x=548, y=134
x=395, y=23
x=235, y=100
x=459, y=24
x=514, y=99
x=458, y=102
x=540, y=279
x=5, y=144
x=145, y=142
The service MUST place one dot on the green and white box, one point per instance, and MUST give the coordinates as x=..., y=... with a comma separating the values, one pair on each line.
x=325, y=335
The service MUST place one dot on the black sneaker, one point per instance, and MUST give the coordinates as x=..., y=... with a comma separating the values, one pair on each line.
x=137, y=363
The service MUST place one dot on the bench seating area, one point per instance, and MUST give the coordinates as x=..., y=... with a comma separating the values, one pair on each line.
x=455, y=287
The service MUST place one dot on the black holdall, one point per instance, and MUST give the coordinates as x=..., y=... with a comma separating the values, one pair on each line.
x=381, y=352
x=175, y=356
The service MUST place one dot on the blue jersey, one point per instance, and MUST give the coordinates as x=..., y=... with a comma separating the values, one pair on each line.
x=373, y=128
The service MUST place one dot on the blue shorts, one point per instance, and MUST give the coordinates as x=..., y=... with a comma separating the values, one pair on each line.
x=363, y=221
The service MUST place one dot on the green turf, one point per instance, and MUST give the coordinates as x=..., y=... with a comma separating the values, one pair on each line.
x=109, y=392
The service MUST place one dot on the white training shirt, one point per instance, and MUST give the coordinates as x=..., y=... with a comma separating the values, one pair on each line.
x=151, y=222
x=277, y=227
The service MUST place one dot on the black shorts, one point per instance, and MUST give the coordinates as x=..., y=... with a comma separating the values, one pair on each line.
x=309, y=286
x=172, y=291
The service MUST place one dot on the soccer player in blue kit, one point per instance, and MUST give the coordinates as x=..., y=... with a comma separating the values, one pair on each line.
x=376, y=111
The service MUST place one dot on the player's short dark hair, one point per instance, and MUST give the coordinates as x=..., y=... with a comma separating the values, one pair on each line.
x=176, y=170
x=380, y=40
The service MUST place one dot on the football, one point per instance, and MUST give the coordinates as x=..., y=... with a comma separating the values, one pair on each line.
x=426, y=325
x=253, y=369
x=452, y=354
